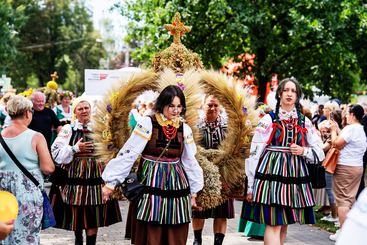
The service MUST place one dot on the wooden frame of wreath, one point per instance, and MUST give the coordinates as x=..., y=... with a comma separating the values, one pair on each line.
x=111, y=128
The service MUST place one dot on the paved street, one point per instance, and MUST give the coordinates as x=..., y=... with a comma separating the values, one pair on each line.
x=297, y=235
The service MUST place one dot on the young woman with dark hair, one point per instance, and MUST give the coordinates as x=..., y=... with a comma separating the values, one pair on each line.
x=279, y=189
x=351, y=141
x=167, y=168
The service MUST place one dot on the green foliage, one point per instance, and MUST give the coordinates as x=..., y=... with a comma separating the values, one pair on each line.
x=321, y=43
x=56, y=36
x=10, y=22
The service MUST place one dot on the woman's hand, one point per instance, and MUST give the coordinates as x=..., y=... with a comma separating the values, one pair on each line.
x=297, y=150
x=106, y=193
x=334, y=127
x=249, y=197
x=84, y=146
x=194, y=205
x=6, y=228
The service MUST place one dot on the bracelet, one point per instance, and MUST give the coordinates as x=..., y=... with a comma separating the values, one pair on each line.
x=194, y=195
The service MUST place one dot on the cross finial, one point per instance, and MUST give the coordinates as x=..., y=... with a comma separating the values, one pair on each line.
x=54, y=76
x=177, y=28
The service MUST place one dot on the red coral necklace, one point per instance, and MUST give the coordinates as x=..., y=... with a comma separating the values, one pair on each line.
x=169, y=131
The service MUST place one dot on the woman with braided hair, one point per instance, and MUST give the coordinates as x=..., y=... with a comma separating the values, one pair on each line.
x=279, y=189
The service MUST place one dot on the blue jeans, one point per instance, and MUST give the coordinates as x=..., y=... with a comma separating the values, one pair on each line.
x=329, y=187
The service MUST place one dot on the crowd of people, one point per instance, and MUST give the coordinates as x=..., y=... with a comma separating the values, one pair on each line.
x=279, y=191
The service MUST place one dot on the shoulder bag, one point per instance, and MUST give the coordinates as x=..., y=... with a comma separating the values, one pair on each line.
x=131, y=188
x=316, y=172
x=331, y=159
x=48, y=218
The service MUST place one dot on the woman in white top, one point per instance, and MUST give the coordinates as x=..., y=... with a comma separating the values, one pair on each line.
x=30, y=148
x=352, y=144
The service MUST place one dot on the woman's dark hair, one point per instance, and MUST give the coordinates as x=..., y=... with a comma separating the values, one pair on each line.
x=166, y=97
x=279, y=92
x=337, y=116
x=357, y=111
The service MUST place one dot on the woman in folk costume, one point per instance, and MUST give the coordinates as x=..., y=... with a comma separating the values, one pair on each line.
x=64, y=111
x=167, y=168
x=78, y=205
x=279, y=190
x=213, y=128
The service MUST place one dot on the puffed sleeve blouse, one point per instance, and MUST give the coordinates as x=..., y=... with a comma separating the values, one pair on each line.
x=118, y=168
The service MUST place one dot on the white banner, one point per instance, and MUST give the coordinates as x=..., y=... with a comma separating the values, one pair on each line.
x=99, y=82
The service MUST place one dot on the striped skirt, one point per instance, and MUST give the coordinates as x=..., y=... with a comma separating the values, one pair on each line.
x=166, y=200
x=84, y=182
x=79, y=204
x=282, y=191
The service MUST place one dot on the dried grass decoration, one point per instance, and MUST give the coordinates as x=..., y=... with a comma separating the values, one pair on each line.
x=229, y=159
x=223, y=168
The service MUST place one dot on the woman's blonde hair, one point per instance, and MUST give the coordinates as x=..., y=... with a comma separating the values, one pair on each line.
x=17, y=106
x=331, y=106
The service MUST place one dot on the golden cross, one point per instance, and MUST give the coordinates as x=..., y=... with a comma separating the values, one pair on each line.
x=54, y=76
x=177, y=28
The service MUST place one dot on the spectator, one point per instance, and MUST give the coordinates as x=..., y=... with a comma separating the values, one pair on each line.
x=63, y=111
x=319, y=116
x=352, y=142
x=5, y=229
x=44, y=119
x=30, y=148
x=364, y=124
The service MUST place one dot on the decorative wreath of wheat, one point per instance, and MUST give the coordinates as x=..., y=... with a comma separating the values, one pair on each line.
x=223, y=168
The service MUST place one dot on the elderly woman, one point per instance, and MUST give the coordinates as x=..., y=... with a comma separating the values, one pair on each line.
x=78, y=205
x=30, y=148
x=167, y=168
x=213, y=128
x=352, y=144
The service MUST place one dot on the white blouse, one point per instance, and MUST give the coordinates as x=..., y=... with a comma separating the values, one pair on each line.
x=61, y=151
x=262, y=134
x=118, y=168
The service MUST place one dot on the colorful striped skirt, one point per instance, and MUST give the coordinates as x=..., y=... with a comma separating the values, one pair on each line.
x=282, y=191
x=166, y=200
x=79, y=204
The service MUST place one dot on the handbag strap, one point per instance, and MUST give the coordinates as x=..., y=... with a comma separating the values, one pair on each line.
x=16, y=161
x=165, y=148
x=315, y=157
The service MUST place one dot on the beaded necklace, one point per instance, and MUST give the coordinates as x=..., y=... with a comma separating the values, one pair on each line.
x=212, y=126
x=169, y=127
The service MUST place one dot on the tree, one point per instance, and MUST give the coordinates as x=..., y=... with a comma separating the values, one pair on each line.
x=318, y=42
x=10, y=22
x=57, y=36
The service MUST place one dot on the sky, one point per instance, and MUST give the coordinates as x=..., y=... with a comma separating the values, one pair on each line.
x=101, y=10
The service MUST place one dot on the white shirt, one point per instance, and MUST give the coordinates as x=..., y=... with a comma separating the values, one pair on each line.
x=353, y=150
x=118, y=168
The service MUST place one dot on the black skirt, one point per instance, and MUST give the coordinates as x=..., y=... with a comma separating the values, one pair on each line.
x=225, y=210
